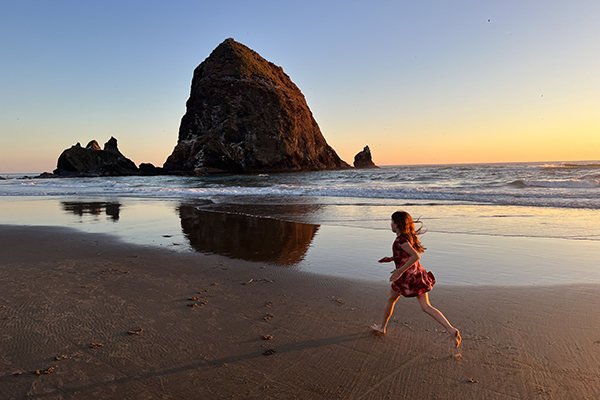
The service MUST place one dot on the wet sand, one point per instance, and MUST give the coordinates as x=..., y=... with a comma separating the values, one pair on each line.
x=86, y=316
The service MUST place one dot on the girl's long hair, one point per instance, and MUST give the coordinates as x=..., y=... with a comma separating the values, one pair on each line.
x=407, y=229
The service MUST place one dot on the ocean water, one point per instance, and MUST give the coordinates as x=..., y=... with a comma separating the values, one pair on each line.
x=565, y=185
x=491, y=224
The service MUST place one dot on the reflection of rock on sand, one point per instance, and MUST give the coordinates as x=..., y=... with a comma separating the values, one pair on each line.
x=80, y=208
x=246, y=237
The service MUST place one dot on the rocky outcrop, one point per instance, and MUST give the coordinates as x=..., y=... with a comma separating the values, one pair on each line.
x=363, y=159
x=93, y=161
x=244, y=114
x=93, y=145
x=150, y=169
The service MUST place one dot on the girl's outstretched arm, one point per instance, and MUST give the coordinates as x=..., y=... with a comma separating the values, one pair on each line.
x=386, y=259
x=414, y=257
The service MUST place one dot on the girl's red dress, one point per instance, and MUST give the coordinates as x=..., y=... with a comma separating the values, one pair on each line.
x=415, y=280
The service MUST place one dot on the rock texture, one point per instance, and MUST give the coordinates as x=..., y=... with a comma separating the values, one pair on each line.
x=150, y=169
x=93, y=145
x=245, y=114
x=93, y=161
x=363, y=159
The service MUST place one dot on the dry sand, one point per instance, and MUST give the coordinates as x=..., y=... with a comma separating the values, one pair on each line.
x=69, y=299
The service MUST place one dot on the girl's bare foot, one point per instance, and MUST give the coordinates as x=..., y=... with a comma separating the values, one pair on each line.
x=377, y=330
x=456, y=337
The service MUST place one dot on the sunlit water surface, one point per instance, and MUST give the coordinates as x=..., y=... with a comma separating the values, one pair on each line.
x=468, y=244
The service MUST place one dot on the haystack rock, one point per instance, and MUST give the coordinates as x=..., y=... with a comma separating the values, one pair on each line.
x=93, y=161
x=245, y=114
x=363, y=159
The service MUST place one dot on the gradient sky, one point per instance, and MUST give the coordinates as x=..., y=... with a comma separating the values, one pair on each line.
x=420, y=82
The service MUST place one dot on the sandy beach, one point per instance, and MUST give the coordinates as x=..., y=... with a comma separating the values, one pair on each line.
x=87, y=316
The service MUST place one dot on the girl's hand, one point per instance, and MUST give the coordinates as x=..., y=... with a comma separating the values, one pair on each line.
x=395, y=275
x=386, y=259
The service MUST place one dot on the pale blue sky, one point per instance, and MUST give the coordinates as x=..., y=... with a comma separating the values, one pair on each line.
x=420, y=82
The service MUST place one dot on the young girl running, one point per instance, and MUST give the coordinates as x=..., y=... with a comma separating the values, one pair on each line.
x=410, y=279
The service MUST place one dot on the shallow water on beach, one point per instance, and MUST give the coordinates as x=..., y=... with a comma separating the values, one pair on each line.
x=468, y=244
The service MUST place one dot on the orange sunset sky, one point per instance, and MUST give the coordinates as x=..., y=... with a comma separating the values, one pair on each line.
x=428, y=82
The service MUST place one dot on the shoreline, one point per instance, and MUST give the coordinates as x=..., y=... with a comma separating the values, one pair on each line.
x=329, y=240
x=63, y=290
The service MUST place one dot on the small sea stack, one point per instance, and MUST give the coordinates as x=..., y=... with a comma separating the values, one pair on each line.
x=91, y=160
x=363, y=159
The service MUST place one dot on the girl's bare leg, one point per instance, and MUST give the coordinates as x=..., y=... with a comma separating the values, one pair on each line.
x=439, y=317
x=387, y=313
